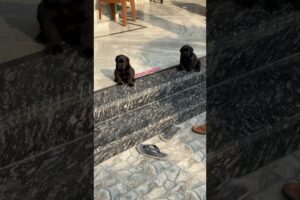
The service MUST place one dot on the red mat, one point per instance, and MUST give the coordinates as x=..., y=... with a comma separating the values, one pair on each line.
x=147, y=72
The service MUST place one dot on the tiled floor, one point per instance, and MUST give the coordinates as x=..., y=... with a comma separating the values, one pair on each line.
x=153, y=40
x=18, y=29
x=266, y=182
x=182, y=175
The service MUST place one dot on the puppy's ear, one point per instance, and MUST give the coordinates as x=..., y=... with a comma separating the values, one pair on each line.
x=127, y=59
x=117, y=57
x=181, y=49
x=191, y=48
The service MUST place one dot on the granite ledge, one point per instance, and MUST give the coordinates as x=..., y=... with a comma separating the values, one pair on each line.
x=105, y=152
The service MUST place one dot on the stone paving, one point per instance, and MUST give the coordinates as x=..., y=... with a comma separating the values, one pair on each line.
x=131, y=176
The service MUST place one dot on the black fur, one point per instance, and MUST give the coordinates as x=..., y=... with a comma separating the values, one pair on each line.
x=188, y=59
x=269, y=5
x=69, y=21
x=124, y=72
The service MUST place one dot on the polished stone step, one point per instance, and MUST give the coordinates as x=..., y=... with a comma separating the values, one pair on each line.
x=113, y=101
x=103, y=153
x=158, y=101
x=253, y=120
x=233, y=41
x=46, y=101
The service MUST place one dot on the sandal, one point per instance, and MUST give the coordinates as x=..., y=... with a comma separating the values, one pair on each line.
x=199, y=129
x=168, y=133
x=150, y=150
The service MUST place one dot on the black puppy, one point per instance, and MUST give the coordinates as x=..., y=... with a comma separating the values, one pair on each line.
x=188, y=59
x=124, y=72
x=69, y=21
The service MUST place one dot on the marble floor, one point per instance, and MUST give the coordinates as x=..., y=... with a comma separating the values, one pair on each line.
x=266, y=182
x=182, y=175
x=18, y=29
x=153, y=40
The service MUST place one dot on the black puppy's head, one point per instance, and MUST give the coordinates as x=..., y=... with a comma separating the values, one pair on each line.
x=122, y=62
x=186, y=51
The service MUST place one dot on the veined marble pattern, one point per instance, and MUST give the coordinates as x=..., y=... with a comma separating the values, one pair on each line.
x=168, y=27
x=267, y=182
x=133, y=176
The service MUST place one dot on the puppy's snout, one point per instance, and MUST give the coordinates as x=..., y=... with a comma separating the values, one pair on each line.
x=186, y=53
x=121, y=65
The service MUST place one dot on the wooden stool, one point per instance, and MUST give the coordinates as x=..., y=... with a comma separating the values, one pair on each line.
x=113, y=12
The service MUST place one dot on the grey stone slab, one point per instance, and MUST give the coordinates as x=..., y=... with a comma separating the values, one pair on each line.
x=247, y=158
x=254, y=105
x=142, y=117
x=120, y=99
x=42, y=130
x=62, y=173
x=40, y=80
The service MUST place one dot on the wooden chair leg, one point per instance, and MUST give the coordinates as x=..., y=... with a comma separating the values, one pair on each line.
x=113, y=11
x=161, y=1
x=133, y=11
x=124, y=13
x=99, y=8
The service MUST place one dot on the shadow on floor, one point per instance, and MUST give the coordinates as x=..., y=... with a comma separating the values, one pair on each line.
x=21, y=16
x=109, y=73
x=191, y=7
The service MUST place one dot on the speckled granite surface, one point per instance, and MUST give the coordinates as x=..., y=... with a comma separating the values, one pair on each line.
x=234, y=41
x=62, y=173
x=253, y=96
x=253, y=120
x=46, y=125
x=127, y=116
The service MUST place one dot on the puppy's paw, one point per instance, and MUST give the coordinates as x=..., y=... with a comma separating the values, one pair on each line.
x=188, y=69
x=55, y=49
x=130, y=84
x=88, y=53
x=120, y=83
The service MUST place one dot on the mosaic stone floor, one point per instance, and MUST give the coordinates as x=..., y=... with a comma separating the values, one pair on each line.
x=153, y=40
x=182, y=175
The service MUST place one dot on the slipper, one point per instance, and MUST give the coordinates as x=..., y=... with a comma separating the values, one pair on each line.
x=168, y=134
x=150, y=150
x=199, y=129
